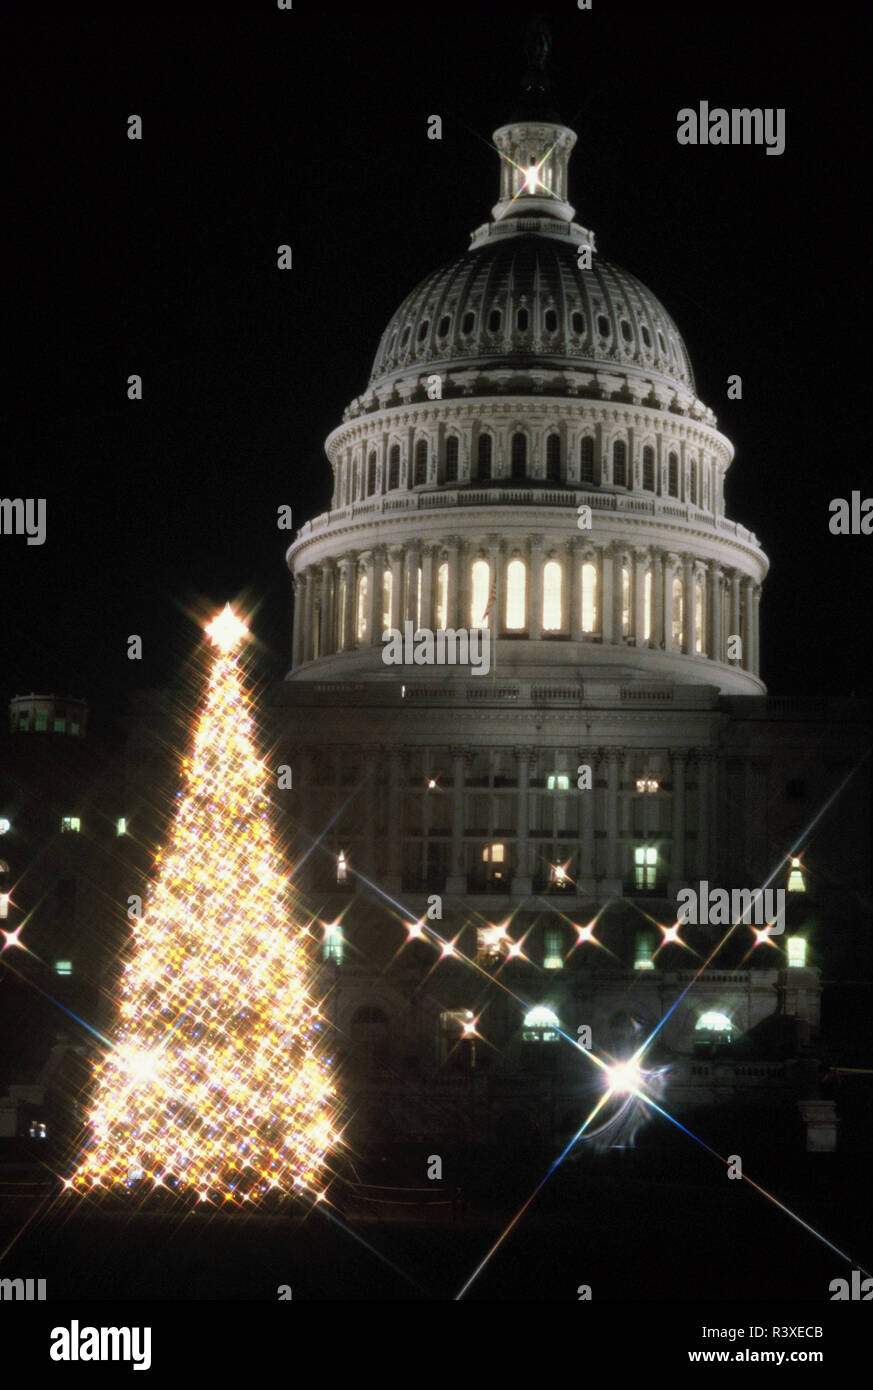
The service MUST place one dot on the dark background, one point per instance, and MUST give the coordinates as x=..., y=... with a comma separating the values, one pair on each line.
x=308, y=127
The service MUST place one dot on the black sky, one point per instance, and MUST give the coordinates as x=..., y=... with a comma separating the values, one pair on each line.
x=309, y=127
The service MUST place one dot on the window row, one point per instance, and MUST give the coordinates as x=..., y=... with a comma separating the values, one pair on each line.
x=694, y=488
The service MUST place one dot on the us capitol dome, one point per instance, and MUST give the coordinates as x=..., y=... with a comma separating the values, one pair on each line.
x=528, y=379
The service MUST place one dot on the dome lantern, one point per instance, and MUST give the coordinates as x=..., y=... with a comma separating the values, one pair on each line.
x=533, y=176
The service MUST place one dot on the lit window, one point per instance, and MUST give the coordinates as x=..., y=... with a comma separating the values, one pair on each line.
x=5, y=825
x=647, y=784
x=678, y=612
x=387, y=585
x=699, y=634
x=37, y=1129
x=796, y=950
x=4, y=906
x=541, y=1024
x=480, y=595
x=457, y=1036
x=59, y=726
x=121, y=826
x=361, y=619
x=589, y=597
x=332, y=946
x=643, y=952
x=645, y=866
x=714, y=1022
x=71, y=824
x=489, y=944
x=552, y=579
x=63, y=967
x=74, y=727
x=625, y=601
x=552, y=958
x=559, y=876
x=647, y=606
x=796, y=883
x=558, y=782
x=442, y=595
x=342, y=868
x=516, y=595
x=40, y=722
x=452, y=459
x=493, y=854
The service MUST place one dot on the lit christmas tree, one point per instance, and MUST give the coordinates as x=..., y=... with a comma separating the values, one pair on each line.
x=216, y=1082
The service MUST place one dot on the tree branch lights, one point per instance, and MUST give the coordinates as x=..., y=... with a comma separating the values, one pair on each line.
x=217, y=1081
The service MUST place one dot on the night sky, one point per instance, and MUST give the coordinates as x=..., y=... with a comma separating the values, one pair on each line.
x=308, y=127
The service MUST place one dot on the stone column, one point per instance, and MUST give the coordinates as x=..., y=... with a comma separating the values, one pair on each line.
x=457, y=880
x=658, y=637
x=614, y=758
x=607, y=594
x=748, y=624
x=638, y=624
x=574, y=566
x=735, y=608
x=670, y=563
x=453, y=591
x=716, y=612
x=413, y=555
x=374, y=595
x=535, y=589
x=586, y=807
x=299, y=600
x=521, y=879
x=309, y=634
x=462, y=570
x=327, y=602
x=348, y=569
x=427, y=585
x=395, y=559
x=689, y=617
x=703, y=758
x=677, y=866
x=756, y=629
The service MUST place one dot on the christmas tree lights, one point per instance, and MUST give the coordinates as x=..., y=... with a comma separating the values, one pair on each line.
x=217, y=1082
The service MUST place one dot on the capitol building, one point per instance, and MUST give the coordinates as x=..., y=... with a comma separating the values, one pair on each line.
x=494, y=859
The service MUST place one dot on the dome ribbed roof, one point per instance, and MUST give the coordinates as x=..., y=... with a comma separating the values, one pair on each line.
x=525, y=301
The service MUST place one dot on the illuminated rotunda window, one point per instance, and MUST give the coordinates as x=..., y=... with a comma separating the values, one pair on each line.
x=714, y=1022
x=480, y=593
x=589, y=597
x=387, y=586
x=516, y=595
x=552, y=616
x=625, y=601
x=678, y=615
x=442, y=595
x=361, y=620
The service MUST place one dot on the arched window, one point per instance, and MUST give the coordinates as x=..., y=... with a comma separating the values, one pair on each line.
x=578, y=322
x=521, y=320
x=678, y=614
x=625, y=601
x=649, y=468
x=394, y=467
x=519, y=456
x=673, y=475
x=589, y=597
x=494, y=321
x=420, y=463
x=480, y=594
x=586, y=460
x=551, y=321
x=442, y=595
x=361, y=618
x=693, y=482
x=387, y=589
x=552, y=579
x=699, y=616
x=468, y=322
x=619, y=463
x=541, y=1024
x=444, y=326
x=357, y=467
x=371, y=475
x=553, y=458
x=516, y=596
x=483, y=456
x=647, y=607
x=452, y=459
